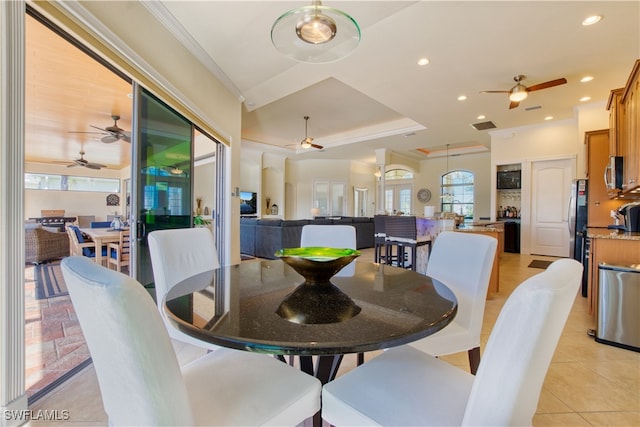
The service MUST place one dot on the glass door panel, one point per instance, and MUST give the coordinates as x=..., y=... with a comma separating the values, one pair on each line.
x=337, y=198
x=162, y=174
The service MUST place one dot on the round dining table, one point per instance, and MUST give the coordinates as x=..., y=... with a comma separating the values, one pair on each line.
x=237, y=307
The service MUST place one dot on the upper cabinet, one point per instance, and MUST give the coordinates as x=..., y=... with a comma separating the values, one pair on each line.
x=631, y=153
x=616, y=121
x=624, y=133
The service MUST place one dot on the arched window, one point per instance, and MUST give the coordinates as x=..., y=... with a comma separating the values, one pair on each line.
x=456, y=193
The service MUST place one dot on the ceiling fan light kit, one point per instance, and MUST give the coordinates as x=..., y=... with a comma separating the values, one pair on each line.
x=520, y=92
x=307, y=142
x=315, y=34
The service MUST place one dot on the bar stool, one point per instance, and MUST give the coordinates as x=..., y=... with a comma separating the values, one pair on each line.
x=379, y=239
x=401, y=233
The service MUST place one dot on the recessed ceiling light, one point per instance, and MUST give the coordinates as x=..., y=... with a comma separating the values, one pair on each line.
x=423, y=61
x=549, y=118
x=481, y=116
x=586, y=79
x=593, y=19
x=585, y=98
x=462, y=98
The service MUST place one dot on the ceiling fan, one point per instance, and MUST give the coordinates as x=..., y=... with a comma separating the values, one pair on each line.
x=112, y=133
x=307, y=142
x=519, y=92
x=85, y=164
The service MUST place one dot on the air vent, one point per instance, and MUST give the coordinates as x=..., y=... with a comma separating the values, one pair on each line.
x=535, y=107
x=483, y=125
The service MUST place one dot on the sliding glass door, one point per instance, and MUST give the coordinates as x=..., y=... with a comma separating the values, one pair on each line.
x=162, y=175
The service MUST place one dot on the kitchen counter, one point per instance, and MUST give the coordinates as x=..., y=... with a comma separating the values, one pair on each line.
x=605, y=233
x=478, y=228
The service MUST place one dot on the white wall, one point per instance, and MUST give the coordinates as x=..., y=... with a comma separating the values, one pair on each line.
x=430, y=177
x=553, y=140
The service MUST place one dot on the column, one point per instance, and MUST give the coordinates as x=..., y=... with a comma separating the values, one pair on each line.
x=12, y=349
x=382, y=158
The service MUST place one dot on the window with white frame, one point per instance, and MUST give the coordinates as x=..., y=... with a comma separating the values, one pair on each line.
x=456, y=193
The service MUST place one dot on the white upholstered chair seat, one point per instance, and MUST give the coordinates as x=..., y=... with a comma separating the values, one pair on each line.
x=406, y=387
x=141, y=382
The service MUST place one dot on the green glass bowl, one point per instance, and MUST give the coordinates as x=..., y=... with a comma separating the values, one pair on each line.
x=317, y=264
x=317, y=300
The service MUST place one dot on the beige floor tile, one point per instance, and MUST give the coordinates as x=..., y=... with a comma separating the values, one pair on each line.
x=620, y=419
x=559, y=420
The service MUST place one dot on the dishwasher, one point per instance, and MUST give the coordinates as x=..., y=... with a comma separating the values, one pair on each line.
x=618, y=321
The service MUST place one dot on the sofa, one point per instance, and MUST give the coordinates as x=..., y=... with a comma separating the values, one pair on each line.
x=263, y=237
x=44, y=243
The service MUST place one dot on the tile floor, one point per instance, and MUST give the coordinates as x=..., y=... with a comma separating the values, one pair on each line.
x=588, y=384
x=53, y=339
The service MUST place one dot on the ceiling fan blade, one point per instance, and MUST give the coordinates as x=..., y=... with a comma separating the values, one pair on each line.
x=319, y=147
x=125, y=138
x=100, y=129
x=545, y=85
x=92, y=166
x=108, y=139
x=495, y=91
x=77, y=131
x=72, y=165
x=513, y=104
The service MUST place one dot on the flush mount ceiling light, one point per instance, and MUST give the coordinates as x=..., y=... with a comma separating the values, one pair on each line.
x=315, y=34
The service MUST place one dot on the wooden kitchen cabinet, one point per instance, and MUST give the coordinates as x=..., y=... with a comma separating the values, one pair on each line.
x=599, y=204
x=616, y=121
x=630, y=144
x=613, y=248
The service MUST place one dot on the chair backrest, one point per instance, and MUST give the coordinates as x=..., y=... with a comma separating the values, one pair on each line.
x=76, y=238
x=125, y=245
x=464, y=262
x=379, y=225
x=180, y=253
x=100, y=224
x=139, y=376
x=517, y=355
x=84, y=221
x=400, y=226
x=331, y=236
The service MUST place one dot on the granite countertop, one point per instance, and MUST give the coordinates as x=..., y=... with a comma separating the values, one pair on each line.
x=605, y=233
x=481, y=228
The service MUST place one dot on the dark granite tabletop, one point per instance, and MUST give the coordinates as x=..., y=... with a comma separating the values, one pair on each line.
x=236, y=307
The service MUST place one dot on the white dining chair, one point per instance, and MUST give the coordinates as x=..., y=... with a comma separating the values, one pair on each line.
x=462, y=261
x=138, y=373
x=177, y=254
x=405, y=386
x=331, y=236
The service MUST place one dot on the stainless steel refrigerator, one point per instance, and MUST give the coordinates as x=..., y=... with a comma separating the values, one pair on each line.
x=578, y=242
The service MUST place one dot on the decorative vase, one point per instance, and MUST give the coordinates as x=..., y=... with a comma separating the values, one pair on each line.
x=317, y=300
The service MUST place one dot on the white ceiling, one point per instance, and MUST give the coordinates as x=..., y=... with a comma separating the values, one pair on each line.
x=378, y=94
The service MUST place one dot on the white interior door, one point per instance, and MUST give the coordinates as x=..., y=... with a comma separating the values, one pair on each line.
x=550, y=193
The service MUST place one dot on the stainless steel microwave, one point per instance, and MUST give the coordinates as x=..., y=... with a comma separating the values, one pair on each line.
x=613, y=173
x=508, y=180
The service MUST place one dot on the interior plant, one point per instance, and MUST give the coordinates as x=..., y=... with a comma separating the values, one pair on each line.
x=200, y=221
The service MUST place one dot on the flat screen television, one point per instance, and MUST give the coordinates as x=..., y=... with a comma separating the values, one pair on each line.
x=248, y=203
